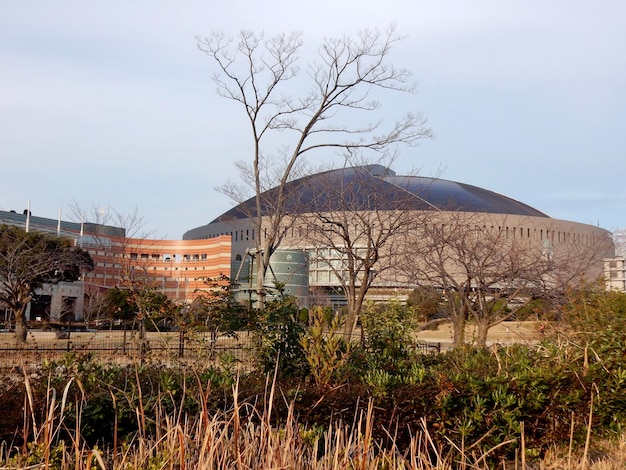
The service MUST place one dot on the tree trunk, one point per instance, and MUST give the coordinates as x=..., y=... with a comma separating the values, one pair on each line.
x=21, y=328
x=482, y=328
x=263, y=261
x=142, y=328
x=355, y=300
x=260, y=286
x=458, y=330
x=348, y=327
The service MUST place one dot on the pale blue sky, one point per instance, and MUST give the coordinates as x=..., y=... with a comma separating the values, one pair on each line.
x=111, y=103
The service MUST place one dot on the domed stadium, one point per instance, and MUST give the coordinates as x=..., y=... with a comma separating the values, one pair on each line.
x=377, y=189
x=428, y=194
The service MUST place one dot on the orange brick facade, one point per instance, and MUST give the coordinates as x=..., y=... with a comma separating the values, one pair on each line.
x=177, y=267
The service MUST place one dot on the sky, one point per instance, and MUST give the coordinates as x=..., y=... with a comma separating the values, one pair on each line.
x=110, y=105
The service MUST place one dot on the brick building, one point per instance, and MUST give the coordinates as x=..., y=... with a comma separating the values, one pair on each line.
x=175, y=267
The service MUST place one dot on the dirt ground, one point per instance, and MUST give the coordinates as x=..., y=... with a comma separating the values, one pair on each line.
x=504, y=333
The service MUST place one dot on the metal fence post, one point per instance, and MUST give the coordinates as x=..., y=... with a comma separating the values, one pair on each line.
x=181, y=344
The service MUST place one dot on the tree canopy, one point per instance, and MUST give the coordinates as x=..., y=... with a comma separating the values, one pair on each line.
x=28, y=261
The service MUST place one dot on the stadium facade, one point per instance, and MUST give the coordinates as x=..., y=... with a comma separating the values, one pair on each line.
x=379, y=190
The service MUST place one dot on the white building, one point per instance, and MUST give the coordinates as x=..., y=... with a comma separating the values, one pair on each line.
x=615, y=272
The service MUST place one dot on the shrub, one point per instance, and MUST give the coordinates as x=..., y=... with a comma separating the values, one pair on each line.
x=325, y=348
x=277, y=333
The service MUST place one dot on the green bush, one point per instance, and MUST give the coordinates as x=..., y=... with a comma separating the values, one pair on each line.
x=325, y=349
x=277, y=332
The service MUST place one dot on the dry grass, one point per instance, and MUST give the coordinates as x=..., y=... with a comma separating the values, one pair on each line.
x=244, y=438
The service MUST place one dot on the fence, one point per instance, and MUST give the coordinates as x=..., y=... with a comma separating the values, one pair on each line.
x=127, y=346
x=118, y=345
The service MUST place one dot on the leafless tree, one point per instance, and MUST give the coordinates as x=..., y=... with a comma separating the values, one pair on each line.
x=356, y=226
x=488, y=271
x=101, y=221
x=95, y=305
x=117, y=235
x=329, y=113
x=112, y=233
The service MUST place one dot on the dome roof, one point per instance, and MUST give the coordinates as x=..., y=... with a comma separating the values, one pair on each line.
x=376, y=187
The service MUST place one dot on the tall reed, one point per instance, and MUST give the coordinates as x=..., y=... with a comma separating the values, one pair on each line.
x=244, y=436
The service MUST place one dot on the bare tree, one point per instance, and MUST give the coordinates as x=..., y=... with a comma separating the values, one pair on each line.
x=95, y=307
x=261, y=75
x=28, y=260
x=117, y=235
x=101, y=222
x=356, y=225
x=488, y=270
